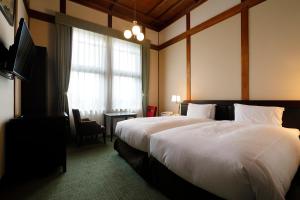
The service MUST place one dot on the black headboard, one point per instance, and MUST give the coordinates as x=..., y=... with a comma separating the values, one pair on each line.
x=225, y=109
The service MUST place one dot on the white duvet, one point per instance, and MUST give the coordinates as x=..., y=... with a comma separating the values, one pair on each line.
x=230, y=159
x=136, y=132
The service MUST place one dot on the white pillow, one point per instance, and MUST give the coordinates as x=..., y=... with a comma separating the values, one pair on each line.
x=258, y=114
x=205, y=111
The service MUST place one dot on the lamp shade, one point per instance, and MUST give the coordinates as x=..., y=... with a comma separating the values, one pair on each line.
x=173, y=98
x=136, y=29
x=127, y=34
x=140, y=36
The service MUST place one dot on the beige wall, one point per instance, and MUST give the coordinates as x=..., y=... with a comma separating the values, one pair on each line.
x=6, y=85
x=172, y=75
x=210, y=9
x=216, y=61
x=45, y=6
x=153, y=78
x=152, y=36
x=172, y=30
x=86, y=13
x=275, y=50
x=21, y=13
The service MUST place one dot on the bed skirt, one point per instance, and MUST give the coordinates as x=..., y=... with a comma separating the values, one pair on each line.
x=137, y=159
x=175, y=187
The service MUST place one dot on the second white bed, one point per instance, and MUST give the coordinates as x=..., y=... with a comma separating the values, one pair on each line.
x=230, y=159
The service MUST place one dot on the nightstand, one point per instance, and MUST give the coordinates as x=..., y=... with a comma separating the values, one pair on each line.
x=166, y=113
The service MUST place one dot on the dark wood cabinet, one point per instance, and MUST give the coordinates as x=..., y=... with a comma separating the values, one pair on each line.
x=34, y=91
x=35, y=145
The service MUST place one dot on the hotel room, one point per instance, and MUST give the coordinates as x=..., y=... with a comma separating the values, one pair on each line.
x=149, y=99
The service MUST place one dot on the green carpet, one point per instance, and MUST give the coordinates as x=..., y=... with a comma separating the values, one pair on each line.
x=93, y=172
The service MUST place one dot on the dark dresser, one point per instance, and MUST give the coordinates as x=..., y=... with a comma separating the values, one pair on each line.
x=35, y=145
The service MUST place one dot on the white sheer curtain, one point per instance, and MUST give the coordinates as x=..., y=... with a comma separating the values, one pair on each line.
x=105, y=75
x=126, y=76
x=88, y=82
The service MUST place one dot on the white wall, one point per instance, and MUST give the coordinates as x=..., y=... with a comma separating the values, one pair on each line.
x=174, y=29
x=86, y=13
x=153, y=78
x=210, y=9
x=172, y=75
x=152, y=36
x=216, y=61
x=275, y=50
x=21, y=14
x=45, y=6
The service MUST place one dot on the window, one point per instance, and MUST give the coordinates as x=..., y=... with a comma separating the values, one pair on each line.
x=126, y=73
x=105, y=75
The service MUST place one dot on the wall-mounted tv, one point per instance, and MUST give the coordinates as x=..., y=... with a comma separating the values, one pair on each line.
x=21, y=55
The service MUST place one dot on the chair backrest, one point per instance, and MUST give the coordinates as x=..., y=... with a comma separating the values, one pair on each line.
x=77, y=118
x=151, y=111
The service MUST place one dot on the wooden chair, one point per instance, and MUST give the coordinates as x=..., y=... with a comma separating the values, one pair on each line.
x=151, y=111
x=86, y=127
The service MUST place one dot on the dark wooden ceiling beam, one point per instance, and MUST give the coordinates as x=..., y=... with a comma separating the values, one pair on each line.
x=155, y=6
x=111, y=6
x=172, y=7
x=131, y=10
x=166, y=23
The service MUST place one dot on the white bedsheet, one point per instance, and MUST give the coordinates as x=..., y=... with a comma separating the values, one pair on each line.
x=136, y=132
x=231, y=159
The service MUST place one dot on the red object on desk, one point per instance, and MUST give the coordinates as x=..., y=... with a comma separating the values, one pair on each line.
x=151, y=111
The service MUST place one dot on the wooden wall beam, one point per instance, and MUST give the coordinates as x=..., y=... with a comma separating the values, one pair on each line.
x=26, y=4
x=41, y=16
x=188, y=58
x=109, y=21
x=245, y=52
x=63, y=6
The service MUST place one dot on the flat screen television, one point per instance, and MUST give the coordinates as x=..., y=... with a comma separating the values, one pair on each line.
x=22, y=54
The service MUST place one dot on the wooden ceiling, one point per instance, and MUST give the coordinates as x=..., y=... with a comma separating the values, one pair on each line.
x=154, y=14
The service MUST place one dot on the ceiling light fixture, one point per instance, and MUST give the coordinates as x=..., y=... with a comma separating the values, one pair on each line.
x=135, y=30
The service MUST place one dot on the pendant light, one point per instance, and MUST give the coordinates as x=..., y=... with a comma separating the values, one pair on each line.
x=135, y=30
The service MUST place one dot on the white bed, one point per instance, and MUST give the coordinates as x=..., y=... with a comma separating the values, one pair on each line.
x=232, y=160
x=136, y=132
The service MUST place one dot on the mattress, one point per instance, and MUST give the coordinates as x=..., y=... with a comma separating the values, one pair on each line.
x=137, y=131
x=231, y=160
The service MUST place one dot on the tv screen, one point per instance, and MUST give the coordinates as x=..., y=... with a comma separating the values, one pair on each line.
x=23, y=52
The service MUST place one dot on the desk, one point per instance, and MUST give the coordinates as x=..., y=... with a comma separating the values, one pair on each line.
x=111, y=116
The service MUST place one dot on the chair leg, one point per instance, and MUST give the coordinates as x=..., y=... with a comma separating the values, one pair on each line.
x=104, y=137
x=80, y=140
